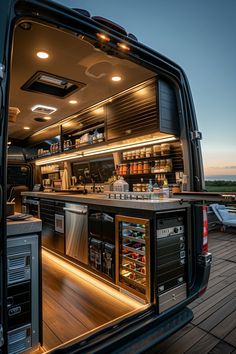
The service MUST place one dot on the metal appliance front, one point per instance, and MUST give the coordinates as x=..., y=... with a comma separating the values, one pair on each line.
x=31, y=206
x=76, y=231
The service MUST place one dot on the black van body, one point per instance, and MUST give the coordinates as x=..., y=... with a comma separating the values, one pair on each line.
x=139, y=332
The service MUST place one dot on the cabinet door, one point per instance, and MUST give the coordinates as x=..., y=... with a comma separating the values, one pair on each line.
x=133, y=114
x=132, y=255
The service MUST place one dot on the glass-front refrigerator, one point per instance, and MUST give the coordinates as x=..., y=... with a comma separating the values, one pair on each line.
x=132, y=255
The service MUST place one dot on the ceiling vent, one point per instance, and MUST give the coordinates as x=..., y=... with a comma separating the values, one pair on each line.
x=43, y=109
x=42, y=82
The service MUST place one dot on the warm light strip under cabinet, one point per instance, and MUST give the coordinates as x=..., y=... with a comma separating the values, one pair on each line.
x=104, y=150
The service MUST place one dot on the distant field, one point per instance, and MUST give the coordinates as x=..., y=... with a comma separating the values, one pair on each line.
x=221, y=188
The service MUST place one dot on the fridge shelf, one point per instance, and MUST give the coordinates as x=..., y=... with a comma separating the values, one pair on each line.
x=131, y=249
x=136, y=239
x=142, y=275
x=134, y=283
x=133, y=260
x=133, y=228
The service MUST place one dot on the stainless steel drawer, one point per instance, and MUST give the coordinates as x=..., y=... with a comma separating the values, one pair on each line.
x=172, y=297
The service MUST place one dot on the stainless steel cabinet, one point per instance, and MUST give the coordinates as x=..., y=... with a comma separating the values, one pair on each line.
x=76, y=231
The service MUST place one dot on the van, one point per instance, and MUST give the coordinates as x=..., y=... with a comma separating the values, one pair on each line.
x=93, y=263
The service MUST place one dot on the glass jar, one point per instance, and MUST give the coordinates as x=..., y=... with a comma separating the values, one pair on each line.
x=133, y=154
x=163, y=166
x=148, y=152
x=156, y=168
x=165, y=149
x=140, y=167
x=121, y=185
x=135, y=168
x=131, y=168
x=125, y=169
x=156, y=150
x=146, y=167
x=137, y=154
x=125, y=155
x=168, y=165
x=138, y=187
x=129, y=155
x=142, y=153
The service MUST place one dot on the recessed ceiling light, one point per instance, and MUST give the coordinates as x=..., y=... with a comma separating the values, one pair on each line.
x=42, y=55
x=73, y=101
x=47, y=118
x=27, y=128
x=116, y=78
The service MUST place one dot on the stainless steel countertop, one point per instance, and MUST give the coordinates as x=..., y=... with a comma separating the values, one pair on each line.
x=102, y=199
x=29, y=226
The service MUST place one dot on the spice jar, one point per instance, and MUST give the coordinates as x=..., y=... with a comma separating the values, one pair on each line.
x=165, y=149
x=142, y=153
x=148, y=152
x=156, y=168
x=156, y=150
x=125, y=155
x=140, y=167
x=138, y=187
x=168, y=165
x=163, y=166
x=137, y=154
x=135, y=168
x=146, y=167
x=131, y=168
x=129, y=155
x=125, y=169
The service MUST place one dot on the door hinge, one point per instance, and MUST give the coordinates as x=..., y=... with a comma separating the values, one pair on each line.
x=2, y=70
x=1, y=336
x=196, y=135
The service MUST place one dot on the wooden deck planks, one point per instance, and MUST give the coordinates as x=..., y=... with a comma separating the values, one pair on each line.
x=213, y=329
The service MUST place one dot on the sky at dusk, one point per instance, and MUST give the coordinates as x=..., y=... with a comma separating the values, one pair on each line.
x=200, y=37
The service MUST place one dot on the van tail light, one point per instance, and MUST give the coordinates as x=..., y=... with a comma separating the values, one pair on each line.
x=205, y=230
x=202, y=291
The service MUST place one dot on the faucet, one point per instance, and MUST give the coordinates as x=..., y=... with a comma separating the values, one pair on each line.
x=83, y=183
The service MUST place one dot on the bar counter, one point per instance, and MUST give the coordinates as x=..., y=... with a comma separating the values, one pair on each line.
x=102, y=199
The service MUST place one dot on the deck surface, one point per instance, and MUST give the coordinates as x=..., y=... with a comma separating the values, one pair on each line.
x=213, y=329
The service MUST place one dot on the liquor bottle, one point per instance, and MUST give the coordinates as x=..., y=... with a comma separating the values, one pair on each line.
x=150, y=187
x=166, y=189
x=156, y=188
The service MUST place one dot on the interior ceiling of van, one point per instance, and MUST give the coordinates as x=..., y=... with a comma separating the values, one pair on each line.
x=69, y=57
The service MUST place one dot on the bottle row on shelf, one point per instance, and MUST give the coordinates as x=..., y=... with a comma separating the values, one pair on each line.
x=145, y=167
x=146, y=152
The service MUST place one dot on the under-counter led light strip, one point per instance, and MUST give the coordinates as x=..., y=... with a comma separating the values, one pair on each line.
x=91, y=152
x=91, y=280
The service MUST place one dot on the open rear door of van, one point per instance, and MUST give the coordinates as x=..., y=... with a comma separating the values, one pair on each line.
x=5, y=48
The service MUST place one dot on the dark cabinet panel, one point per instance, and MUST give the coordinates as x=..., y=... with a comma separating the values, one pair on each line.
x=133, y=114
x=169, y=117
x=51, y=239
